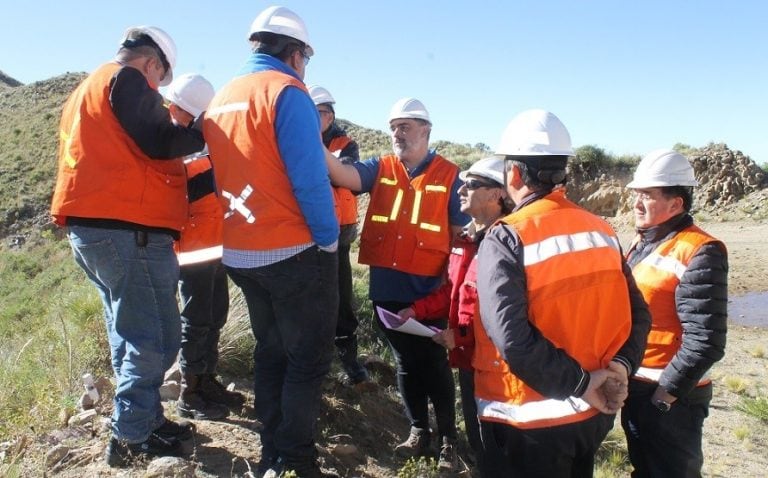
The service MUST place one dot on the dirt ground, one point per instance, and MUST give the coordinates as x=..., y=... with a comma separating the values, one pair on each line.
x=734, y=443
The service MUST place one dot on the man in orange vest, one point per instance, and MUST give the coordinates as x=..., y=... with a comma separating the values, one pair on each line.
x=562, y=322
x=280, y=233
x=120, y=193
x=683, y=274
x=346, y=150
x=413, y=217
x=203, y=287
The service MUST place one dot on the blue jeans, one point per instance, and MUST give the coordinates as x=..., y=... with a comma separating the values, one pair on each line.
x=293, y=306
x=665, y=443
x=137, y=285
x=204, y=293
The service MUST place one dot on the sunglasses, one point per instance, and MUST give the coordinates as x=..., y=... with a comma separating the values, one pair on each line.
x=473, y=184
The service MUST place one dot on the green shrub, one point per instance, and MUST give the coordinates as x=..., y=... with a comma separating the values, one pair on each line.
x=755, y=407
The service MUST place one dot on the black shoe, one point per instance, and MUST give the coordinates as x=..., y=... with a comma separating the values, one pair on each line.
x=311, y=469
x=119, y=453
x=214, y=391
x=180, y=431
x=448, y=461
x=193, y=405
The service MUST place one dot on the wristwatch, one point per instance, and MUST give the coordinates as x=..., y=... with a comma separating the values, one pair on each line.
x=662, y=405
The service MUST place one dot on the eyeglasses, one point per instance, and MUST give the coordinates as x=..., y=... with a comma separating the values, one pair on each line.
x=473, y=184
x=305, y=56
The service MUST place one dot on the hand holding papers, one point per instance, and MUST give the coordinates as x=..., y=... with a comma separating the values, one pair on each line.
x=409, y=326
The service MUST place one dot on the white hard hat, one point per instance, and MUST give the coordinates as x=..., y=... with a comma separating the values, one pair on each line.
x=409, y=108
x=162, y=40
x=282, y=21
x=320, y=96
x=190, y=92
x=535, y=133
x=490, y=168
x=663, y=167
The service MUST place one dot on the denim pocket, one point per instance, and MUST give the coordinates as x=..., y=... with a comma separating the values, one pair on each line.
x=96, y=253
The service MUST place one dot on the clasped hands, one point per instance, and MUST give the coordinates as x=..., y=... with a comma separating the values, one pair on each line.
x=607, y=388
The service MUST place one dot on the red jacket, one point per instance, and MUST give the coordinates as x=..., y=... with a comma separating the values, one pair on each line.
x=456, y=298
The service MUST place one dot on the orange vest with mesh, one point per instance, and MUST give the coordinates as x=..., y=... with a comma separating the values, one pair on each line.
x=657, y=277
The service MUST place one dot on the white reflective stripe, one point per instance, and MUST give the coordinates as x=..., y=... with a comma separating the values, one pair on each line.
x=200, y=255
x=531, y=411
x=553, y=246
x=430, y=227
x=336, y=153
x=242, y=106
x=665, y=263
x=459, y=251
x=654, y=375
x=416, y=207
x=238, y=204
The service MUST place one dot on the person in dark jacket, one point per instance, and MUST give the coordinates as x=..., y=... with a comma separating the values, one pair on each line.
x=346, y=150
x=683, y=274
x=562, y=323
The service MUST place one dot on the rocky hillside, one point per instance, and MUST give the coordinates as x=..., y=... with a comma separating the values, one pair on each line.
x=29, y=117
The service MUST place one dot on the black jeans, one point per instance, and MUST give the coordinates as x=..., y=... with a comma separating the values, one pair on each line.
x=204, y=292
x=471, y=422
x=423, y=374
x=665, y=443
x=565, y=451
x=293, y=305
x=347, y=323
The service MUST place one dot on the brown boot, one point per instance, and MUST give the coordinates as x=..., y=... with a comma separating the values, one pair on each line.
x=214, y=391
x=417, y=444
x=192, y=402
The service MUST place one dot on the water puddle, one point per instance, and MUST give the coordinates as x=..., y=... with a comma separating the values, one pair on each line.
x=749, y=309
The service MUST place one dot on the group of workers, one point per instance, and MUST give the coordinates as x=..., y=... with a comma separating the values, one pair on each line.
x=553, y=329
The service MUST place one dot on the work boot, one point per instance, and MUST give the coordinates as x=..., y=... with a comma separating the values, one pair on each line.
x=417, y=444
x=181, y=431
x=447, y=460
x=214, y=391
x=282, y=468
x=347, y=350
x=192, y=402
x=120, y=453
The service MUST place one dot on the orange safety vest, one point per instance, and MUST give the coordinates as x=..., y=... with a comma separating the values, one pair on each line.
x=344, y=200
x=201, y=236
x=577, y=298
x=261, y=211
x=406, y=226
x=657, y=277
x=103, y=174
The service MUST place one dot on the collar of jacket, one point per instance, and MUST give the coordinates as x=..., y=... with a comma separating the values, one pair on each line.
x=261, y=62
x=661, y=231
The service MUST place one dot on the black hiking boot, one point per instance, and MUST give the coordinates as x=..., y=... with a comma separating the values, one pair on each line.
x=214, y=391
x=179, y=431
x=282, y=468
x=447, y=460
x=120, y=453
x=193, y=404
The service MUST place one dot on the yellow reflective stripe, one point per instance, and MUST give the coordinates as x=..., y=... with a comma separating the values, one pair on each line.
x=388, y=182
x=416, y=207
x=396, y=205
x=528, y=412
x=67, y=138
x=430, y=227
x=435, y=187
x=377, y=218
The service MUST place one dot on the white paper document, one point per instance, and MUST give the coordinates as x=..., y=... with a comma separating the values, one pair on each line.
x=408, y=326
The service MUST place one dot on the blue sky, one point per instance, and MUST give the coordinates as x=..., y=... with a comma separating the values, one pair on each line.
x=628, y=77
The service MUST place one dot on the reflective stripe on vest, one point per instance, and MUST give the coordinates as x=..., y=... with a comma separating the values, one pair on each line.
x=552, y=246
x=531, y=411
x=667, y=264
x=200, y=255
